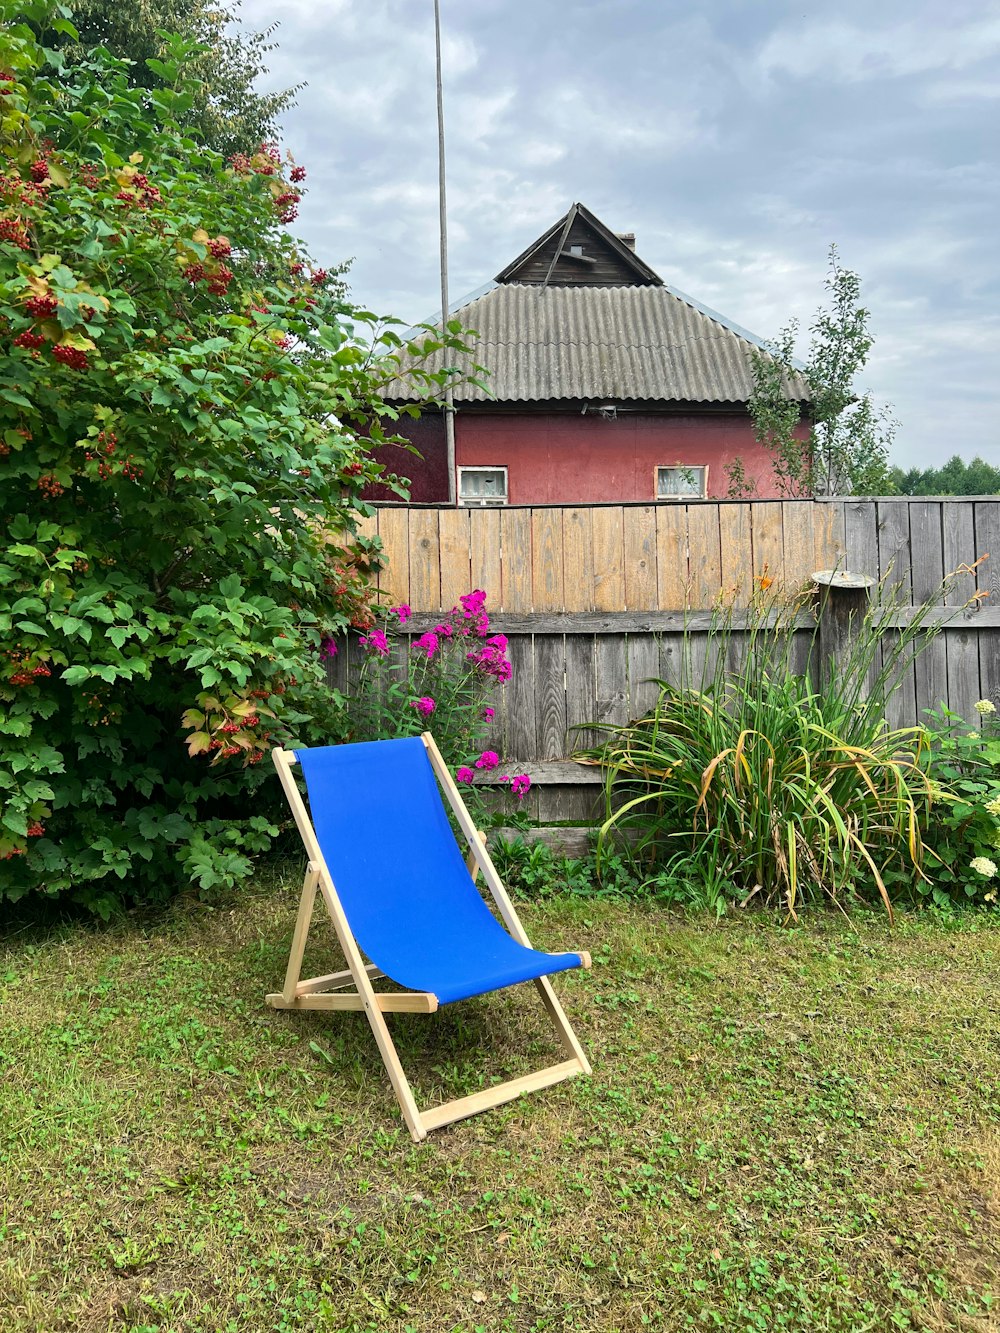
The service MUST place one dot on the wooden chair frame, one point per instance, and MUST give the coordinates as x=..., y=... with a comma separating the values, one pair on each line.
x=328, y=992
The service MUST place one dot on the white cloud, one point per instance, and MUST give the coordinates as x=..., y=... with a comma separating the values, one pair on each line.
x=858, y=52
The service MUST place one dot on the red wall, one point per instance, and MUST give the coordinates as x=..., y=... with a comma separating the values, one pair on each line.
x=555, y=458
x=571, y=458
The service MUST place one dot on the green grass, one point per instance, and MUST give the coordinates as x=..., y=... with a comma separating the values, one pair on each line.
x=786, y=1129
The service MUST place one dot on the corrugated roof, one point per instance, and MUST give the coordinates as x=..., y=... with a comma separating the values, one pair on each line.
x=601, y=344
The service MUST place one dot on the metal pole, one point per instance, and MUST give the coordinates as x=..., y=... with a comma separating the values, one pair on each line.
x=449, y=401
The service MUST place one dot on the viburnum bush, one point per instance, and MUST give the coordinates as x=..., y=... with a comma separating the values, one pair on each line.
x=443, y=681
x=186, y=406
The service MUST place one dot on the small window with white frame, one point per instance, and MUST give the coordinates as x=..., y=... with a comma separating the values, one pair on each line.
x=681, y=482
x=482, y=486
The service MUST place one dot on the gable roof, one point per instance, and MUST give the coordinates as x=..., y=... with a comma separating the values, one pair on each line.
x=618, y=334
x=579, y=250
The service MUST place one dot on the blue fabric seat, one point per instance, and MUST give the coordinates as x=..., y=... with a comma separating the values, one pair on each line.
x=401, y=878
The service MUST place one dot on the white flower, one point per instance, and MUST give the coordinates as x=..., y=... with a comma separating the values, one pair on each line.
x=985, y=707
x=993, y=807
x=982, y=865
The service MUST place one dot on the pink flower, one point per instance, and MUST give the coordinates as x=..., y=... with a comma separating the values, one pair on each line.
x=403, y=612
x=445, y=631
x=499, y=641
x=488, y=713
x=473, y=603
x=488, y=759
x=376, y=642
x=464, y=775
x=520, y=785
x=424, y=706
x=491, y=661
x=327, y=647
x=427, y=643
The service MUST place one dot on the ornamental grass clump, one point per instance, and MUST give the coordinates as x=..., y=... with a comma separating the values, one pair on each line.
x=774, y=771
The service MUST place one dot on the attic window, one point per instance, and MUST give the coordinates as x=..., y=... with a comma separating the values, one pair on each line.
x=681, y=482
x=576, y=251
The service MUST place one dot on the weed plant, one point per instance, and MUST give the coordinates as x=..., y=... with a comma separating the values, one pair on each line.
x=773, y=771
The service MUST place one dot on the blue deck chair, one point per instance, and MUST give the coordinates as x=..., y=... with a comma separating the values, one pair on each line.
x=400, y=894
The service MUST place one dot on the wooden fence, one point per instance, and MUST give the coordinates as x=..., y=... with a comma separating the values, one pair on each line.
x=597, y=600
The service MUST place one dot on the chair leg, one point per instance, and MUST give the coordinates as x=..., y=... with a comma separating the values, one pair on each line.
x=302, y=923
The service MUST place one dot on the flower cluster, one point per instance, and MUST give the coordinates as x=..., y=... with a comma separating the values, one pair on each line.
x=491, y=659
x=519, y=783
x=376, y=642
x=445, y=676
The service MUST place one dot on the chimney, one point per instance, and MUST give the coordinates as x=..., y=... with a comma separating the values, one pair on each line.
x=627, y=239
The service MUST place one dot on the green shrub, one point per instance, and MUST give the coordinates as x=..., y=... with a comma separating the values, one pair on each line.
x=181, y=405
x=962, y=829
x=749, y=771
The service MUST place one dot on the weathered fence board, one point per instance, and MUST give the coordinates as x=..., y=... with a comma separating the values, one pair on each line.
x=597, y=600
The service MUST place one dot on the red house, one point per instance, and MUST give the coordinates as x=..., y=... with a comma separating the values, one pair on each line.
x=604, y=384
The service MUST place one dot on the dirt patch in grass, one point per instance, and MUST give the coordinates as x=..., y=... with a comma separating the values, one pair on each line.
x=786, y=1129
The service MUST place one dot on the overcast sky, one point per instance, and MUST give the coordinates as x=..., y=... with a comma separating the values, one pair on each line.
x=737, y=138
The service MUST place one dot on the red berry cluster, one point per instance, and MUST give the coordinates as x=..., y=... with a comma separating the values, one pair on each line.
x=16, y=190
x=287, y=205
x=218, y=283
x=7, y=79
x=216, y=277
x=50, y=486
x=74, y=357
x=89, y=176
x=14, y=851
x=296, y=269
x=39, y=170
x=28, y=675
x=36, y=829
x=29, y=339
x=267, y=159
x=138, y=193
x=297, y=174
x=13, y=231
x=319, y=277
x=41, y=307
x=104, y=456
x=354, y=469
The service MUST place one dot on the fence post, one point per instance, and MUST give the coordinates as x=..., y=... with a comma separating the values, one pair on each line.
x=844, y=602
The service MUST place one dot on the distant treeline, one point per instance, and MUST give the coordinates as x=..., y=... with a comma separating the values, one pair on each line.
x=955, y=478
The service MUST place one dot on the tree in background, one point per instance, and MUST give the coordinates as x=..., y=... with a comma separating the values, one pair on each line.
x=846, y=449
x=185, y=412
x=227, y=112
x=956, y=477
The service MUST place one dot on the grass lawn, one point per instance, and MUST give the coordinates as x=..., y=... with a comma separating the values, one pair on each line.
x=786, y=1129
